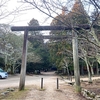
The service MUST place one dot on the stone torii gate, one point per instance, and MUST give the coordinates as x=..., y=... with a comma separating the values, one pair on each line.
x=37, y=28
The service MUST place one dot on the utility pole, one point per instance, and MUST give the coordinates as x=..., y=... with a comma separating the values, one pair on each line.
x=23, y=66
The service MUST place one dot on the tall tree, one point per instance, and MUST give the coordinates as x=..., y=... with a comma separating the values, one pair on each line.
x=34, y=22
x=39, y=47
x=11, y=46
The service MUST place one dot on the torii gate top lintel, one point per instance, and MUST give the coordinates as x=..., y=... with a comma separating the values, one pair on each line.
x=38, y=28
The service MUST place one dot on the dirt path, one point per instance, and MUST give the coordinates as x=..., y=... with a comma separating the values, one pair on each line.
x=65, y=92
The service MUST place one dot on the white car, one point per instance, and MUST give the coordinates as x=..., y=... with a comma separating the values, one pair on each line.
x=3, y=74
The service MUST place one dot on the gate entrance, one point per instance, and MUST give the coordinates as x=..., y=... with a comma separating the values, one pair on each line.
x=40, y=28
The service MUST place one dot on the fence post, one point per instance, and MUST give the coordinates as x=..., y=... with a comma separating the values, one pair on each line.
x=41, y=83
x=57, y=83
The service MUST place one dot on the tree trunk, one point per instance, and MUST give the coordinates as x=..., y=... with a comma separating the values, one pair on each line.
x=13, y=68
x=82, y=72
x=6, y=62
x=92, y=72
x=97, y=69
x=68, y=72
x=89, y=73
x=64, y=70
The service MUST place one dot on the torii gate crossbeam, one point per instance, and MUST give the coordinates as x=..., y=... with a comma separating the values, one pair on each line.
x=38, y=28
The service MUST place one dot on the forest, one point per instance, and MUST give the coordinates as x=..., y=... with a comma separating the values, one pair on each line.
x=55, y=54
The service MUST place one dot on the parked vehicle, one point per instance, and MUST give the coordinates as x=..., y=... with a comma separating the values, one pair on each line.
x=3, y=74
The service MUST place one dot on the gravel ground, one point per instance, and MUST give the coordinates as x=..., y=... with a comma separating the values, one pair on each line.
x=50, y=91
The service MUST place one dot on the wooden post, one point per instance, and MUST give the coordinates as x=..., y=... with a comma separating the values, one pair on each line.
x=41, y=83
x=24, y=58
x=57, y=83
x=76, y=64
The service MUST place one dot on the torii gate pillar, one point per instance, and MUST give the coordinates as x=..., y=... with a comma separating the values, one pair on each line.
x=76, y=64
x=24, y=58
